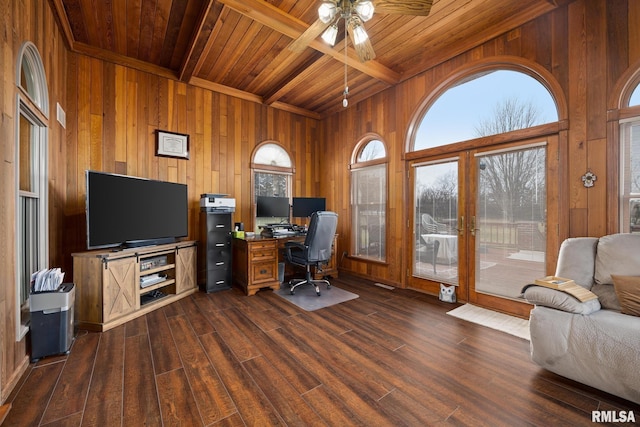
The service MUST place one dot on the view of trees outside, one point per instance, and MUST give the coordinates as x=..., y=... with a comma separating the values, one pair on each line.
x=271, y=184
x=512, y=184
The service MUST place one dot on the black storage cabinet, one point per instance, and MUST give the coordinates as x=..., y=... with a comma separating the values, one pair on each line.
x=215, y=263
x=52, y=321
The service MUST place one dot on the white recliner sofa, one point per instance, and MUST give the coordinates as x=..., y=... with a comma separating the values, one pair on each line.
x=590, y=342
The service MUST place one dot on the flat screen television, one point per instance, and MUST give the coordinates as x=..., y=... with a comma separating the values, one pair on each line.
x=129, y=211
x=305, y=206
x=272, y=207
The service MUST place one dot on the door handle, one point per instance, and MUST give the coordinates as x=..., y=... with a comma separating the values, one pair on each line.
x=472, y=226
x=461, y=226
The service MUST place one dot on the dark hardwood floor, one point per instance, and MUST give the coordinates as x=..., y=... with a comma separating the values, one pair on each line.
x=387, y=358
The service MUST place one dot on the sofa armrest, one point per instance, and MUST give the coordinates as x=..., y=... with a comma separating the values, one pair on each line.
x=552, y=298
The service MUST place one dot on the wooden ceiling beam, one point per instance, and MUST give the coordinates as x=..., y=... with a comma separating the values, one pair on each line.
x=237, y=93
x=63, y=20
x=186, y=70
x=280, y=21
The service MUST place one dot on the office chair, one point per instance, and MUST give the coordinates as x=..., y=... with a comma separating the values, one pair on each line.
x=316, y=249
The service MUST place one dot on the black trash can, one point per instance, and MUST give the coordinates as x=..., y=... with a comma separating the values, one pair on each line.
x=52, y=321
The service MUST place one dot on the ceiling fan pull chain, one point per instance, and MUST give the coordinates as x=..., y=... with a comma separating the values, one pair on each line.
x=345, y=101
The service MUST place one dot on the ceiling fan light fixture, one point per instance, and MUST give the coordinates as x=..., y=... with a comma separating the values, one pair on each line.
x=330, y=34
x=327, y=11
x=359, y=34
x=364, y=9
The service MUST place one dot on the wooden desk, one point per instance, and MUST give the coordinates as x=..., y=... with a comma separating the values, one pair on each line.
x=255, y=262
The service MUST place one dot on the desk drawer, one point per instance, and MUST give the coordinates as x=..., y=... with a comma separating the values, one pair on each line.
x=263, y=245
x=264, y=271
x=262, y=255
x=262, y=251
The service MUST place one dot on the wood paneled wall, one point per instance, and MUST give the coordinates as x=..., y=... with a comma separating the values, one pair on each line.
x=585, y=47
x=22, y=21
x=117, y=110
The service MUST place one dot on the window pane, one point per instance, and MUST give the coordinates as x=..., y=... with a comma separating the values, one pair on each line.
x=26, y=155
x=630, y=181
x=271, y=184
x=368, y=210
x=373, y=150
x=511, y=222
x=29, y=244
x=26, y=78
x=273, y=155
x=635, y=97
x=436, y=210
x=461, y=112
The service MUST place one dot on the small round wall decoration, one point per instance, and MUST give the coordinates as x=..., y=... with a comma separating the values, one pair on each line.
x=588, y=179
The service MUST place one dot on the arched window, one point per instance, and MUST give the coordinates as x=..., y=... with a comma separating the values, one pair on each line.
x=31, y=159
x=272, y=171
x=630, y=168
x=466, y=111
x=369, y=199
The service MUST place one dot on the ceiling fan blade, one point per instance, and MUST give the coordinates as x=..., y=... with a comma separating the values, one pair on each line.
x=364, y=49
x=314, y=30
x=404, y=7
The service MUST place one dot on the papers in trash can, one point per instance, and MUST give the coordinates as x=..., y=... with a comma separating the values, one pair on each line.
x=46, y=280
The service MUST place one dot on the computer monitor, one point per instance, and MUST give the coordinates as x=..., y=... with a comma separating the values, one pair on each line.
x=305, y=206
x=272, y=207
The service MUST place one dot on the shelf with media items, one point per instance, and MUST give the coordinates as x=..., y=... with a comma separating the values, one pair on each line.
x=114, y=287
x=157, y=277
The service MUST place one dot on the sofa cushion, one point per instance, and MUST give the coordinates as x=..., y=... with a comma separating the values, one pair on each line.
x=540, y=295
x=576, y=260
x=607, y=296
x=628, y=290
x=617, y=254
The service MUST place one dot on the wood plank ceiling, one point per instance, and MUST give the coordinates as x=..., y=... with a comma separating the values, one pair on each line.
x=240, y=47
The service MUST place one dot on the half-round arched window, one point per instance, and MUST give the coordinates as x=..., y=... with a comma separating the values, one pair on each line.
x=272, y=154
x=372, y=150
x=369, y=199
x=487, y=103
x=31, y=77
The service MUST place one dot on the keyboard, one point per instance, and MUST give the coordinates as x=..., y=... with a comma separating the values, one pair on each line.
x=284, y=233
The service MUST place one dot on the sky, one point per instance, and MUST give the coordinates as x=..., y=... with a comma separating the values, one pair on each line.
x=635, y=97
x=455, y=114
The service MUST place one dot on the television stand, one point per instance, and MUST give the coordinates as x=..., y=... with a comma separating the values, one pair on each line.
x=115, y=287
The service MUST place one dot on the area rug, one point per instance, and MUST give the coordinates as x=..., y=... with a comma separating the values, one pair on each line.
x=492, y=319
x=306, y=298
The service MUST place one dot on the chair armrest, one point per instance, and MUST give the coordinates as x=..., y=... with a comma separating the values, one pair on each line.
x=295, y=246
x=553, y=298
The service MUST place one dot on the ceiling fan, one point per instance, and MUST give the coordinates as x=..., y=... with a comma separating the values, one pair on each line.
x=355, y=13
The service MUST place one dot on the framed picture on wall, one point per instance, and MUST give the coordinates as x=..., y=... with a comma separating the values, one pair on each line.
x=170, y=144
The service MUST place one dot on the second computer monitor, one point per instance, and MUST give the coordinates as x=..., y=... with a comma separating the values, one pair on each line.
x=272, y=207
x=305, y=206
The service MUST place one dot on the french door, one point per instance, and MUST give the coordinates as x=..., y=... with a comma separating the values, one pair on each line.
x=480, y=222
